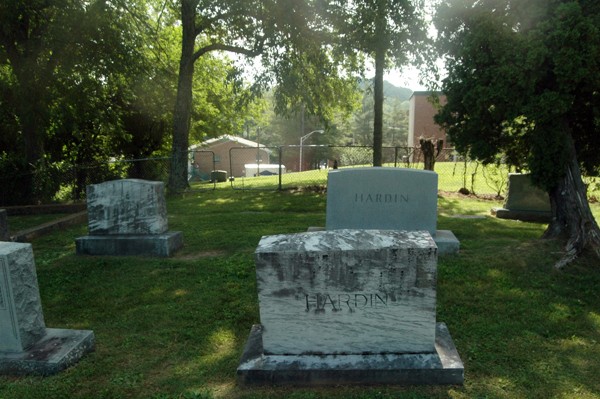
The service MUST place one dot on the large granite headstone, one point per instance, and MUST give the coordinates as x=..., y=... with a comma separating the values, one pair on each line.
x=26, y=345
x=524, y=201
x=4, y=234
x=128, y=217
x=348, y=307
x=386, y=198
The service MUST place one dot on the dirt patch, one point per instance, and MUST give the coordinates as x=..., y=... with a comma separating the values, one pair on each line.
x=487, y=197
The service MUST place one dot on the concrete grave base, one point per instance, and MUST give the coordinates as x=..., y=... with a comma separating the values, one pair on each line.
x=445, y=240
x=55, y=351
x=130, y=245
x=438, y=368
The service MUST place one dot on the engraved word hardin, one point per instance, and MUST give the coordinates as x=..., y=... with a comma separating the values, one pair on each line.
x=321, y=302
x=380, y=198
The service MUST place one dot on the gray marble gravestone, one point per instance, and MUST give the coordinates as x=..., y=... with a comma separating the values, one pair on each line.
x=524, y=201
x=128, y=217
x=348, y=307
x=386, y=198
x=26, y=345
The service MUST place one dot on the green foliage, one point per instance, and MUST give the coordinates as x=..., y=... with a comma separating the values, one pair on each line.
x=523, y=80
x=355, y=156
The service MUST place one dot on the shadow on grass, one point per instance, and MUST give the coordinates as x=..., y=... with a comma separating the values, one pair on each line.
x=175, y=328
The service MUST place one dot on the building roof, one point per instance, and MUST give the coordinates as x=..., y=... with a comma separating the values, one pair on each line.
x=225, y=138
x=427, y=93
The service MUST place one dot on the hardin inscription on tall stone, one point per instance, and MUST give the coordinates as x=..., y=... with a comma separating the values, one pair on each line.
x=348, y=306
x=382, y=198
x=128, y=217
x=387, y=199
x=26, y=345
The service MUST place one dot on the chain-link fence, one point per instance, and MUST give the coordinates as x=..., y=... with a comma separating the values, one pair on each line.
x=254, y=168
x=294, y=165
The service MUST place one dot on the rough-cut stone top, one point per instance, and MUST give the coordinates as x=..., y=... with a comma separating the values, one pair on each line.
x=382, y=198
x=345, y=240
x=128, y=206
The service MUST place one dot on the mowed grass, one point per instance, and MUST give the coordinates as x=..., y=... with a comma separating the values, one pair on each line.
x=175, y=328
x=452, y=176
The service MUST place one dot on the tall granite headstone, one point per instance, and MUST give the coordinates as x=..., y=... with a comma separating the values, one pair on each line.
x=128, y=217
x=386, y=198
x=348, y=307
x=26, y=345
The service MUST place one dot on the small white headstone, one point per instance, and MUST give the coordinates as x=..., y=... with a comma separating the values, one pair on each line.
x=382, y=198
x=347, y=292
x=128, y=206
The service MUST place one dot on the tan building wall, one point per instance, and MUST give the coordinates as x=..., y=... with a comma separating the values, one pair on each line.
x=230, y=156
x=420, y=121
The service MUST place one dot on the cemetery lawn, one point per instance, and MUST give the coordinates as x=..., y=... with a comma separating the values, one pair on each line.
x=175, y=328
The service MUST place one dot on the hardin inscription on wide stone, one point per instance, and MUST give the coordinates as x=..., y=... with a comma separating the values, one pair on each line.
x=347, y=292
x=382, y=198
x=128, y=206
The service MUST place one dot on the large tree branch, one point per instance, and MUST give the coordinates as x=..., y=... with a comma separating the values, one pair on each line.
x=257, y=50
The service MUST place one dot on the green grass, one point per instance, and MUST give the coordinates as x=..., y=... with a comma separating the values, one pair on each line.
x=452, y=176
x=175, y=328
x=22, y=222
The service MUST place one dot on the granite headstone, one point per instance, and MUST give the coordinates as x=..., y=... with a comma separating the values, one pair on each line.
x=348, y=306
x=26, y=345
x=524, y=201
x=386, y=198
x=128, y=217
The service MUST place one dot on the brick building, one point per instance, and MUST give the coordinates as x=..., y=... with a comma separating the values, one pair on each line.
x=420, y=121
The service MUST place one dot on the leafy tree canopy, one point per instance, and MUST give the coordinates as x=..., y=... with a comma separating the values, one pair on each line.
x=524, y=81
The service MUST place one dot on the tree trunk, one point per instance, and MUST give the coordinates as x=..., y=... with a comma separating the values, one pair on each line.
x=183, y=104
x=571, y=215
x=428, y=150
x=378, y=109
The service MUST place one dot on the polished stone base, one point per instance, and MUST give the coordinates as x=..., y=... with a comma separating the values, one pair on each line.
x=130, y=245
x=524, y=216
x=438, y=368
x=56, y=351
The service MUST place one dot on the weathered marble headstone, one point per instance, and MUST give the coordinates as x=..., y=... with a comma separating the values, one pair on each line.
x=348, y=306
x=26, y=345
x=386, y=198
x=128, y=217
x=4, y=235
x=524, y=201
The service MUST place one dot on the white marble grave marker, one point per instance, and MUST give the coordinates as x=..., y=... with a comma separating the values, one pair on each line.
x=347, y=292
x=26, y=345
x=127, y=206
x=128, y=218
x=21, y=317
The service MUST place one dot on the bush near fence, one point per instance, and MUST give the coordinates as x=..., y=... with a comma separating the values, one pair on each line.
x=68, y=182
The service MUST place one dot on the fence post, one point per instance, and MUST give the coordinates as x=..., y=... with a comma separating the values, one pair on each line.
x=280, y=155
